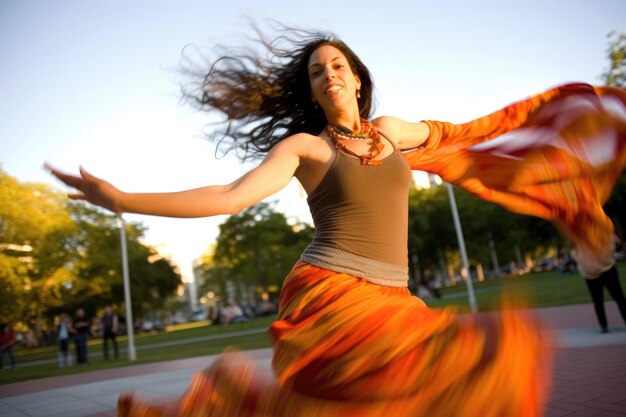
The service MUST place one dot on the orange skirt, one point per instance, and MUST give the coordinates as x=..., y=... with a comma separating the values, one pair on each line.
x=346, y=347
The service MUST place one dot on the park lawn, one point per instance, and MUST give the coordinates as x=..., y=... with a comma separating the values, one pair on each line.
x=174, y=332
x=541, y=289
x=181, y=351
x=538, y=290
x=97, y=363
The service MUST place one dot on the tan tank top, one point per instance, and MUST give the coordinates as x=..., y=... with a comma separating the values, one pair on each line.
x=360, y=214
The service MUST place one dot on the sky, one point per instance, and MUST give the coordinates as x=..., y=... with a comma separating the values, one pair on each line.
x=96, y=83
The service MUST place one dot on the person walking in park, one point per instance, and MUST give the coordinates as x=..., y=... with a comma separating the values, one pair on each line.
x=110, y=325
x=600, y=272
x=82, y=330
x=64, y=332
x=7, y=341
x=350, y=339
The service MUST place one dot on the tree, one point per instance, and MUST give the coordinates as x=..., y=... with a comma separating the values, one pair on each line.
x=616, y=74
x=432, y=236
x=153, y=278
x=36, y=233
x=56, y=255
x=13, y=294
x=431, y=229
x=257, y=248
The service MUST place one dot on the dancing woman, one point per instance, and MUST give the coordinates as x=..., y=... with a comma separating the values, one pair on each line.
x=350, y=340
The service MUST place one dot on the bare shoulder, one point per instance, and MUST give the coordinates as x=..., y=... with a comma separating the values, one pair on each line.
x=314, y=154
x=406, y=135
x=390, y=126
x=308, y=148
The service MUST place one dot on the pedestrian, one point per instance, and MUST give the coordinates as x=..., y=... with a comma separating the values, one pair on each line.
x=110, y=324
x=64, y=335
x=7, y=341
x=81, y=327
x=232, y=313
x=349, y=338
x=600, y=272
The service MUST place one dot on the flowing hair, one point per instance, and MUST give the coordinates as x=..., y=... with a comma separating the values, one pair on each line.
x=267, y=98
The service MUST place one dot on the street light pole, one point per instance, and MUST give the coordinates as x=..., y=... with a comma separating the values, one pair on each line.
x=132, y=355
x=465, y=262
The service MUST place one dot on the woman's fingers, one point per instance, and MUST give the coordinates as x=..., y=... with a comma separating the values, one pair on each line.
x=88, y=187
x=68, y=179
x=87, y=176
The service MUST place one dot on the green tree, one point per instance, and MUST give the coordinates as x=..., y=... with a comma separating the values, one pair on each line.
x=13, y=294
x=431, y=229
x=56, y=255
x=36, y=233
x=616, y=53
x=432, y=236
x=257, y=248
x=152, y=278
x=616, y=76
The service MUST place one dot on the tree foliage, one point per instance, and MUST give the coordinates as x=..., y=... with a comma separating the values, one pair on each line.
x=57, y=255
x=616, y=53
x=616, y=76
x=432, y=236
x=256, y=248
x=35, y=232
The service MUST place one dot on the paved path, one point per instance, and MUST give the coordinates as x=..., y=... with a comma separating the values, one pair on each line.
x=589, y=378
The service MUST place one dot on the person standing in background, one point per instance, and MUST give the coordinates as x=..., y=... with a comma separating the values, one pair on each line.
x=64, y=334
x=599, y=271
x=7, y=340
x=81, y=327
x=109, y=330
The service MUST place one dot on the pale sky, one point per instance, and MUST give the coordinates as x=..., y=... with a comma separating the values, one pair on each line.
x=95, y=82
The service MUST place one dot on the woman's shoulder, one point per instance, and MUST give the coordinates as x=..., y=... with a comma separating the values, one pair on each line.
x=298, y=139
x=305, y=145
x=405, y=135
x=389, y=126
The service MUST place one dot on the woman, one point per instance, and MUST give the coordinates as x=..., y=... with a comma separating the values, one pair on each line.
x=349, y=339
x=7, y=341
x=65, y=332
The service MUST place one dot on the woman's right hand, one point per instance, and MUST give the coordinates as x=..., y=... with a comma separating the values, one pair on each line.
x=92, y=189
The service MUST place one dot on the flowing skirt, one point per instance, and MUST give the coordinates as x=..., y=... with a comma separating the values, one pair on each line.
x=345, y=347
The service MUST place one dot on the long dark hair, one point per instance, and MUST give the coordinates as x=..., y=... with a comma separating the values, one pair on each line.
x=268, y=98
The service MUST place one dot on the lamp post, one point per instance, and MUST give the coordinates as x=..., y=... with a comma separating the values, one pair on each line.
x=465, y=262
x=132, y=355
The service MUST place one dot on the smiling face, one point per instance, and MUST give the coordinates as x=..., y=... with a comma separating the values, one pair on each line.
x=333, y=84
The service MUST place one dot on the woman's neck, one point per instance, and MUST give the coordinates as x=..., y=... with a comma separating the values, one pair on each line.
x=348, y=119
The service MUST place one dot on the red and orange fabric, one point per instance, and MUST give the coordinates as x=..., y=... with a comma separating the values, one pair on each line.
x=347, y=347
x=557, y=156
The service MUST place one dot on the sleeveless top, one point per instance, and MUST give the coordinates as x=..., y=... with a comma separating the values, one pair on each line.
x=360, y=213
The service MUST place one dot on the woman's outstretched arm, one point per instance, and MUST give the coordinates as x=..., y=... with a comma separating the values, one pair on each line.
x=273, y=174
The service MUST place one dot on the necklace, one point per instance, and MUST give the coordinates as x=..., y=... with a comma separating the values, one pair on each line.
x=367, y=132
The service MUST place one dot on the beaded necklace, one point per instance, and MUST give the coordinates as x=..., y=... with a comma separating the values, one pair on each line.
x=367, y=132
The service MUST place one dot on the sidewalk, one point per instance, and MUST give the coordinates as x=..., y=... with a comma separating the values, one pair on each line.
x=589, y=378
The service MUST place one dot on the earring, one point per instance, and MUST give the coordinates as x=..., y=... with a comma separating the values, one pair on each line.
x=358, y=93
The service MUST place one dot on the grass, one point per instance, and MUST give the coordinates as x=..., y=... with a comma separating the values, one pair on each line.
x=27, y=372
x=542, y=289
x=538, y=290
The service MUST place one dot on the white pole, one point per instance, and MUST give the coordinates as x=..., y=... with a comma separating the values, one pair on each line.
x=465, y=262
x=132, y=355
